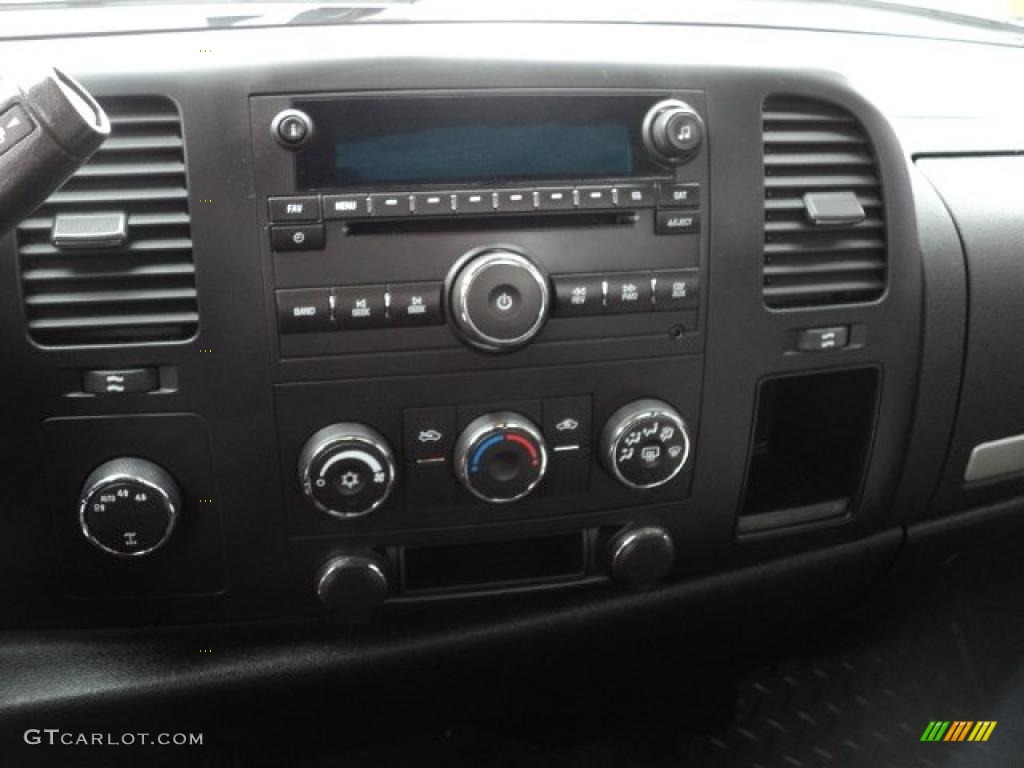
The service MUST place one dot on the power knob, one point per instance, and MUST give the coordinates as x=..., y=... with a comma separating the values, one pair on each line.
x=673, y=131
x=346, y=470
x=500, y=299
x=645, y=444
x=129, y=507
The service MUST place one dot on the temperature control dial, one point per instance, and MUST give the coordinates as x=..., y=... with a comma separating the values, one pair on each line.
x=499, y=299
x=645, y=444
x=129, y=507
x=500, y=457
x=346, y=470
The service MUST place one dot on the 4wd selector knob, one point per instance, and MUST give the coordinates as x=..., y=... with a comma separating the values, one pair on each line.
x=500, y=457
x=346, y=470
x=645, y=444
x=499, y=299
x=129, y=507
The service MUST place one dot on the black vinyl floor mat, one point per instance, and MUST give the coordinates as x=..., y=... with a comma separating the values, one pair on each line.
x=862, y=693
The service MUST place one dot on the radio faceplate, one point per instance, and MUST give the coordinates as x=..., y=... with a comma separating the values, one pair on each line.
x=364, y=255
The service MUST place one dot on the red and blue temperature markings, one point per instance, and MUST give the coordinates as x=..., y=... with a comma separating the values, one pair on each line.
x=474, y=462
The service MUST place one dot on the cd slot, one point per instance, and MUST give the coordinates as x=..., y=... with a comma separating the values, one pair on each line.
x=497, y=222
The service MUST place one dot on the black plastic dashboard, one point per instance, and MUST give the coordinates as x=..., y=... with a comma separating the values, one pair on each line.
x=825, y=373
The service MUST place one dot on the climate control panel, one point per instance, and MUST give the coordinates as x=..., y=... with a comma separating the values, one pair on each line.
x=377, y=467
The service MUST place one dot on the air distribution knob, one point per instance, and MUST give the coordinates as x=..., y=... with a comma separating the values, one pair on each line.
x=673, y=131
x=500, y=457
x=639, y=558
x=352, y=587
x=346, y=470
x=645, y=444
x=499, y=300
x=129, y=507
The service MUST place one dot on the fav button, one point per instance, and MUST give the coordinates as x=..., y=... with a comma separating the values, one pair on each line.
x=294, y=208
x=360, y=306
x=415, y=304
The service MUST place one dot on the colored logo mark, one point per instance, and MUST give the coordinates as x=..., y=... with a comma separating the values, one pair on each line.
x=958, y=730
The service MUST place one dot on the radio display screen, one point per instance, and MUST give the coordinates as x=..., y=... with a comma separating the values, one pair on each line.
x=432, y=140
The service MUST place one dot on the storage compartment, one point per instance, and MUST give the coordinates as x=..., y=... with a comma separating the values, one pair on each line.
x=811, y=442
x=538, y=560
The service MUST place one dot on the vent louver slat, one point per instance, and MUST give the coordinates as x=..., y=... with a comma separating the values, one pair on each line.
x=141, y=291
x=814, y=147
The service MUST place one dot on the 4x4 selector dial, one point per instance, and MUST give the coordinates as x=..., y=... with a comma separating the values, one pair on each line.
x=346, y=470
x=129, y=507
x=500, y=457
x=645, y=444
x=500, y=299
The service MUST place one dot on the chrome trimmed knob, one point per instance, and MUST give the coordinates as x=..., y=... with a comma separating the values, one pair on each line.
x=640, y=558
x=469, y=272
x=658, y=131
x=475, y=439
x=129, y=471
x=351, y=442
x=624, y=425
x=352, y=587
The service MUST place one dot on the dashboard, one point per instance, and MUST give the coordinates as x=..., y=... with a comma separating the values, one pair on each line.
x=504, y=323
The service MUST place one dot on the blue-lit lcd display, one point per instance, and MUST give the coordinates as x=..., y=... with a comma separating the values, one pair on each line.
x=390, y=141
x=487, y=151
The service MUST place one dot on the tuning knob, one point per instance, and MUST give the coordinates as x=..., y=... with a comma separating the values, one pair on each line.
x=352, y=587
x=639, y=558
x=129, y=507
x=346, y=470
x=500, y=299
x=673, y=131
x=645, y=444
x=500, y=457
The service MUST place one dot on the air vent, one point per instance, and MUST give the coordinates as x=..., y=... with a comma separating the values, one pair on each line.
x=811, y=148
x=140, y=287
